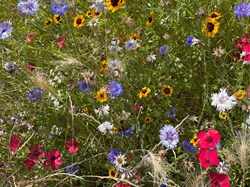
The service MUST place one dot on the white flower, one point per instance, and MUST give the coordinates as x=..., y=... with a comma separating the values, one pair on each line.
x=105, y=127
x=120, y=160
x=93, y=22
x=222, y=101
x=151, y=57
x=104, y=110
x=222, y=168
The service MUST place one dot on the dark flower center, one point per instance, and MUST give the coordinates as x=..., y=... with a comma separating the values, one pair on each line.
x=112, y=173
x=207, y=160
x=48, y=22
x=167, y=91
x=210, y=139
x=210, y=27
x=102, y=95
x=58, y=18
x=214, y=16
x=144, y=91
x=79, y=21
x=114, y=3
x=150, y=19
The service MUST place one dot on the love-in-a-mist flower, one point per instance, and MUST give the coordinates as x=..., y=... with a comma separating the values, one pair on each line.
x=131, y=44
x=222, y=101
x=208, y=158
x=169, y=136
x=208, y=139
x=28, y=7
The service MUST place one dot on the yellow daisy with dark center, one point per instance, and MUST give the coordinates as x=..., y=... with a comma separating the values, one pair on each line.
x=148, y=119
x=48, y=22
x=115, y=130
x=104, y=67
x=240, y=94
x=85, y=110
x=194, y=140
x=167, y=91
x=144, y=92
x=114, y=5
x=113, y=173
x=101, y=96
x=150, y=19
x=134, y=37
x=96, y=14
x=223, y=115
x=210, y=27
x=215, y=15
x=79, y=21
x=57, y=18
x=88, y=13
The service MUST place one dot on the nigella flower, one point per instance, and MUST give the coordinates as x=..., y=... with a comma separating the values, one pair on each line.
x=28, y=7
x=188, y=147
x=5, y=30
x=172, y=112
x=10, y=67
x=131, y=44
x=84, y=87
x=242, y=10
x=169, y=136
x=126, y=132
x=192, y=41
x=113, y=154
x=115, y=89
x=71, y=168
x=162, y=50
x=34, y=94
x=59, y=7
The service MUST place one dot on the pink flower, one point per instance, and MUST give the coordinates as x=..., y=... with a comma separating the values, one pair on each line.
x=33, y=157
x=120, y=184
x=208, y=158
x=61, y=43
x=53, y=159
x=72, y=146
x=30, y=37
x=208, y=139
x=14, y=142
x=219, y=180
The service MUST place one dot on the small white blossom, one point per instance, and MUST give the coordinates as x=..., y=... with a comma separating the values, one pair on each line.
x=103, y=110
x=151, y=57
x=105, y=127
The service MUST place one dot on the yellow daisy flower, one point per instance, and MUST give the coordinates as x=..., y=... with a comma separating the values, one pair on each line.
x=101, y=96
x=105, y=66
x=48, y=22
x=167, y=91
x=148, y=119
x=134, y=37
x=215, y=15
x=115, y=130
x=57, y=18
x=96, y=14
x=150, y=19
x=79, y=21
x=114, y=5
x=144, y=92
x=194, y=140
x=113, y=173
x=85, y=110
x=88, y=13
x=210, y=27
x=240, y=94
x=223, y=115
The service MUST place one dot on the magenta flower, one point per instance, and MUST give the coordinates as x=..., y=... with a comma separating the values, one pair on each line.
x=53, y=159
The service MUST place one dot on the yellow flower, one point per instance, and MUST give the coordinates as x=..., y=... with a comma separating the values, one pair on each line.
x=79, y=21
x=223, y=116
x=240, y=94
x=144, y=92
x=101, y=96
x=150, y=19
x=215, y=15
x=167, y=91
x=167, y=121
x=48, y=22
x=105, y=66
x=210, y=27
x=114, y=5
x=115, y=130
x=85, y=110
x=134, y=37
x=194, y=140
x=88, y=13
x=148, y=119
x=113, y=173
x=96, y=14
x=57, y=18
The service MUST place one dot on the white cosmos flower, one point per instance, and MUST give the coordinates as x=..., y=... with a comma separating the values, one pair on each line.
x=105, y=127
x=222, y=101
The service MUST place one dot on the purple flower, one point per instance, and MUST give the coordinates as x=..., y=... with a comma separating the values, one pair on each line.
x=84, y=87
x=192, y=41
x=242, y=10
x=34, y=94
x=28, y=7
x=113, y=154
x=126, y=132
x=188, y=147
x=115, y=89
x=71, y=168
x=131, y=45
x=97, y=6
x=59, y=7
x=162, y=50
x=5, y=30
x=10, y=67
x=172, y=112
x=169, y=136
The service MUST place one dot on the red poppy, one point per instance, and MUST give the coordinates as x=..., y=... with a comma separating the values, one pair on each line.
x=208, y=158
x=120, y=184
x=208, y=139
x=14, y=142
x=53, y=159
x=72, y=146
x=219, y=180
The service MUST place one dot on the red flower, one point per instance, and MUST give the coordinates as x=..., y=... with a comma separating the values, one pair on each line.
x=72, y=146
x=208, y=158
x=30, y=38
x=14, y=142
x=209, y=139
x=61, y=43
x=33, y=157
x=120, y=184
x=53, y=159
x=219, y=180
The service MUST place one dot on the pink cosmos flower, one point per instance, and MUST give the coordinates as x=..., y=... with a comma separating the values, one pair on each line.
x=14, y=142
x=208, y=158
x=219, y=180
x=208, y=139
x=72, y=146
x=53, y=159
x=61, y=43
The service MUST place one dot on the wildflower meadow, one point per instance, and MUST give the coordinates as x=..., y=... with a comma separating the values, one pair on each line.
x=125, y=93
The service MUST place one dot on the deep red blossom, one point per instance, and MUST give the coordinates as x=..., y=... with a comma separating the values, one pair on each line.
x=30, y=37
x=208, y=139
x=72, y=146
x=53, y=159
x=208, y=158
x=14, y=142
x=33, y=157
x=120, y=184
x=219, y=180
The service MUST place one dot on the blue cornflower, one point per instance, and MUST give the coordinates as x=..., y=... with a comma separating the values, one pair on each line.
x=126, y=132
x=84, y=87
x=71, y=168
x=172, y=112
x=163, y=185
x=34, y=94
x=113, y=154
x=162, y=50
x=28, y=7
x=131, y=45
x=192, y=41
x=10, y=67
x=188, y=147
x=5, y=30
x=242, y=10
x=59, y=7
x=115, y=89
x=169, y=136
